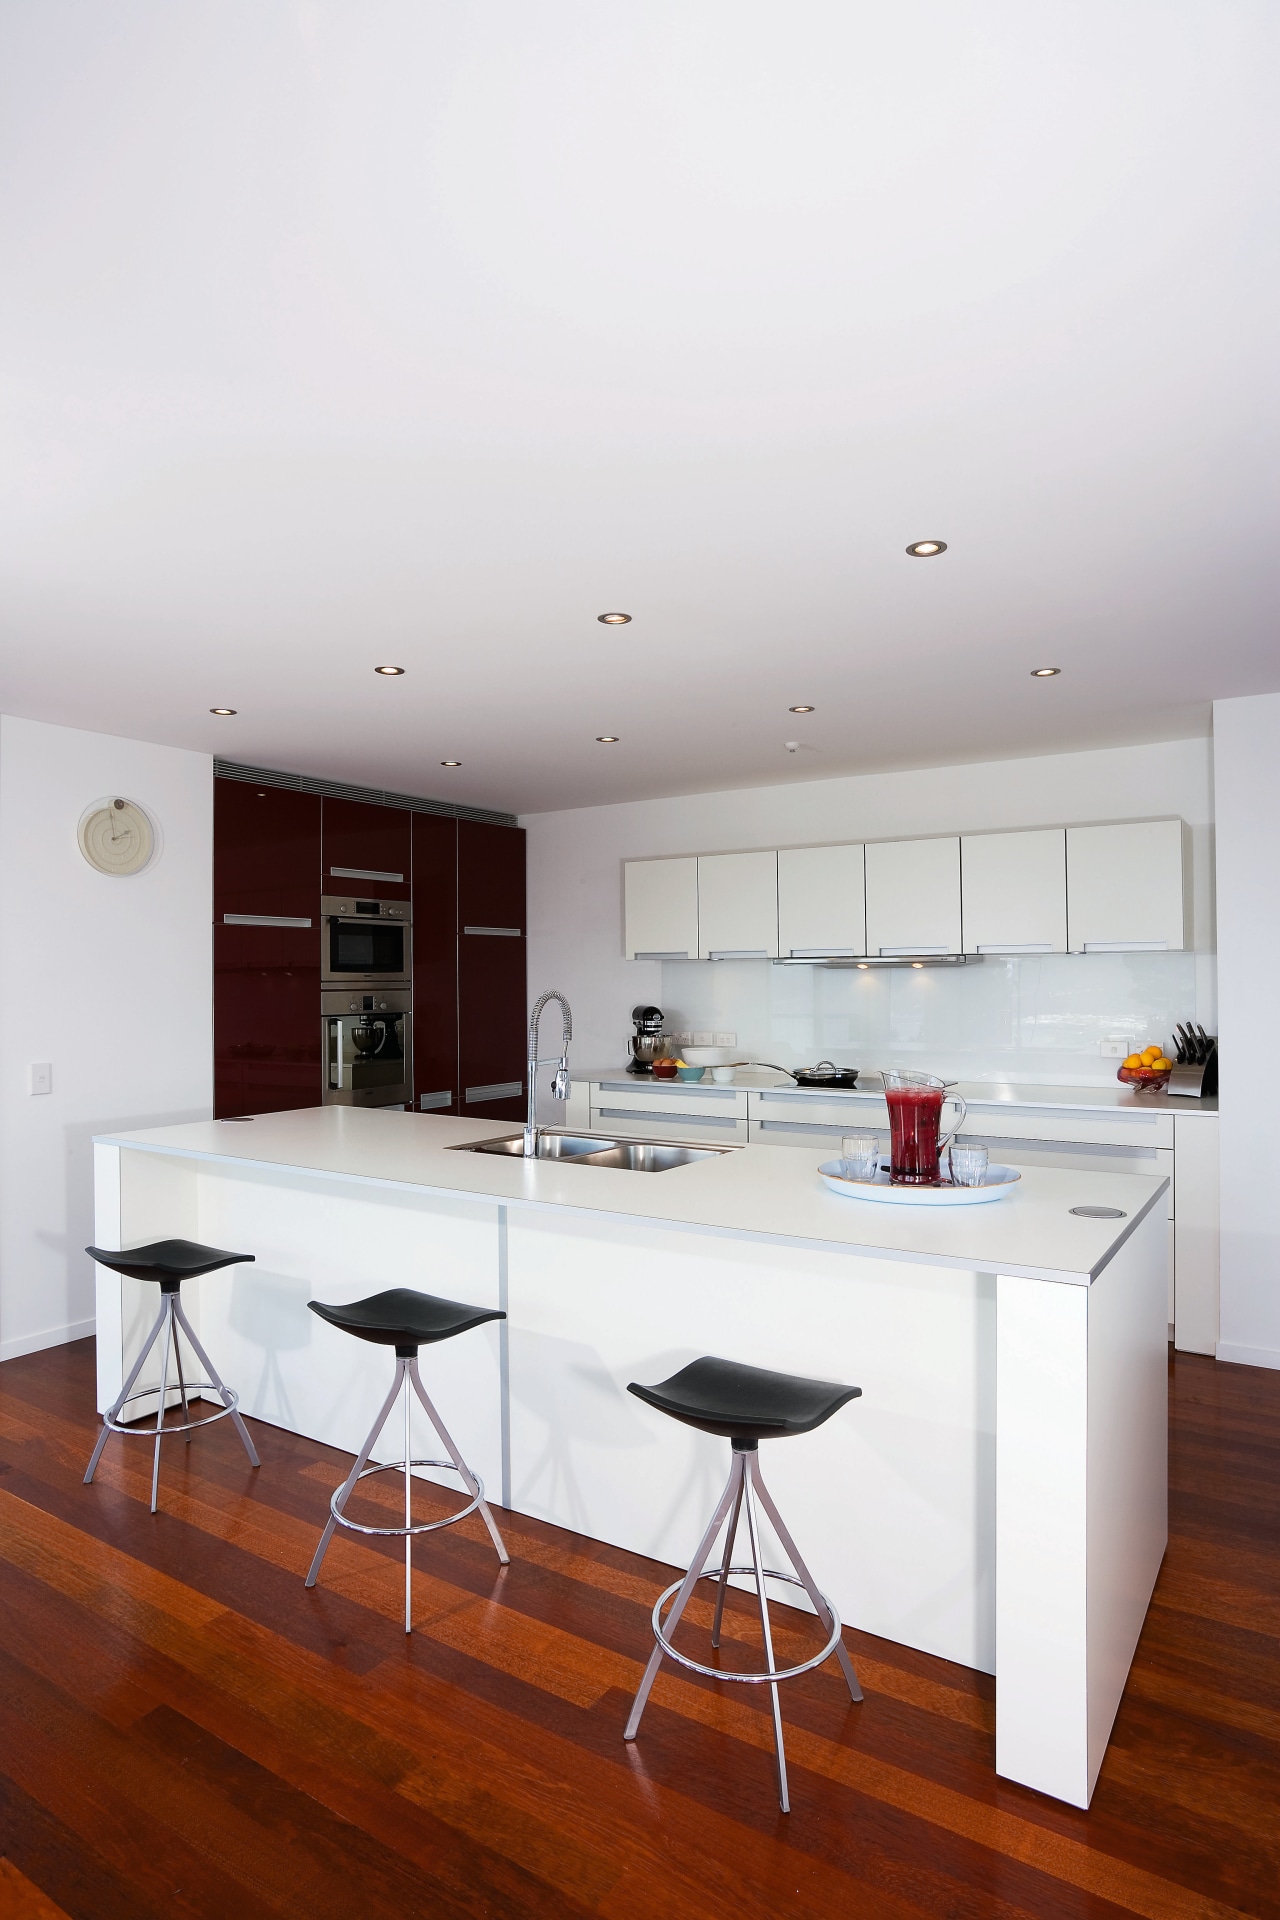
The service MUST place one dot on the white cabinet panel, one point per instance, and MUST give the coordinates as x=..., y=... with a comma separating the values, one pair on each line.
x=1013, y=890
x=738, y=905
x=661, y=908
x=1196, y=1258
x=821, y=901
x=1126, y=887
x=913, y=896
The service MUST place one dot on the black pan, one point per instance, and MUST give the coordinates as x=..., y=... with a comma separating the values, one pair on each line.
x=825, y=1074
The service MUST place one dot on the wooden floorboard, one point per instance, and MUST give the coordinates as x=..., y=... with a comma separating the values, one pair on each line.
x=186, y=1731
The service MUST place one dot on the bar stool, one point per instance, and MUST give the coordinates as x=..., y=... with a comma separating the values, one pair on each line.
x=744, y=1405
x=406, y=1320
x=168, y=1263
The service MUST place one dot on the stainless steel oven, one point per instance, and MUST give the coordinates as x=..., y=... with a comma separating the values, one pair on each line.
x=367, y=1044
x=365, y=943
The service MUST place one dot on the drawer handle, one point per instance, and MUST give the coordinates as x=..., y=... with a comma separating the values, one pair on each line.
x=263, y=920
x=428, y=1102
x=502, y=933
x=500, y=1090
x=366, y=873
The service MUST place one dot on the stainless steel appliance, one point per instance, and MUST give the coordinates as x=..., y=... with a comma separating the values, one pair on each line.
x=365, y=943
x=367, y=1047
x=648, y=1043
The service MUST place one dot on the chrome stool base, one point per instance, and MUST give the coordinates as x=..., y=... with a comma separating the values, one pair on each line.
x=407, y=1377
x=170, y=1318
x=744, y=1487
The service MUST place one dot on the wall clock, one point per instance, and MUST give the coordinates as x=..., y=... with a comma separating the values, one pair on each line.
x=116, y=837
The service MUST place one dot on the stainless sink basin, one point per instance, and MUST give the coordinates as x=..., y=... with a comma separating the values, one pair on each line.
x=630, y=1156
x=551, y=1146
x=648, y=1156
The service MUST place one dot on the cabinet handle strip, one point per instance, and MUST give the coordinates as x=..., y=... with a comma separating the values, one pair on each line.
x=365, y=873
x=262, y=920
x=504, y=933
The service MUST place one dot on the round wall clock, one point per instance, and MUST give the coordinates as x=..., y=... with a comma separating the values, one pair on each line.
x=116, y=837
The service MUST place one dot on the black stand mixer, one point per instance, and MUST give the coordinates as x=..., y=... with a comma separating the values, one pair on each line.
x=648, y=1043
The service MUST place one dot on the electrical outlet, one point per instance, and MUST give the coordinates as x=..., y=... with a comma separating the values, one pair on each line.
x=725, y=1040
x=40, y=1077
x=1117, y=1046
x=704, y=1039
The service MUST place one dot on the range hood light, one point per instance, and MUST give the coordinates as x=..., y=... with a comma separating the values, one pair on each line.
x=883, y=960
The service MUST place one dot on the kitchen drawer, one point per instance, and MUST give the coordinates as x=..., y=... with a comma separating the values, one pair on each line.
x=629, y=1123
x=1127, y=1129
x=671, y=1096
x=1084, y=1156
x=824, y=1140
x=844, y=1112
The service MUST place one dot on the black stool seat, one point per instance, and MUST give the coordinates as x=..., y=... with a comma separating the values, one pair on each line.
x=745, y=1403
x=168, y=1261
x=405, y=1320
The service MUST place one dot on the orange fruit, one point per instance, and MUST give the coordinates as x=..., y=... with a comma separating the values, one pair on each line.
x=1134, y=1061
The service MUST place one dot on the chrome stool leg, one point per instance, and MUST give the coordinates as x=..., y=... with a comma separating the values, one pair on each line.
x=406, y=1377
x=757, y=1560
x=732, y=1490
x=820, y=1604
x=729, y=1539
x=164, y=1395
x=229, y=1400
x=113, y=1411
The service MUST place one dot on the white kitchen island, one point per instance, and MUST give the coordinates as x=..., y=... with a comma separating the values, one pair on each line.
x=997, y=1497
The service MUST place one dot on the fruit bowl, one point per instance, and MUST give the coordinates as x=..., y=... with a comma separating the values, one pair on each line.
x=1145, y=1079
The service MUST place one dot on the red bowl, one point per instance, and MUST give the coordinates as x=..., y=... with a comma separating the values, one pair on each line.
x=1145, y=1079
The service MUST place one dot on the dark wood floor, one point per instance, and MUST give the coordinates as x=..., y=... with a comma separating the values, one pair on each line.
x=186, y=1732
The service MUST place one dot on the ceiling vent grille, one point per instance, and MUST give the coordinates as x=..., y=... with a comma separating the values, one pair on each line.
x=342, y=790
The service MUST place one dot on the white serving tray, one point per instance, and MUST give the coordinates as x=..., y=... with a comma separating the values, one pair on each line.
x=999, y=1182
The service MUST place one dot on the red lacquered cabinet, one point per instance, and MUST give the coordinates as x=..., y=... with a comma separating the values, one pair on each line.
x=373, y=843
x=492, y=1003
x=435, y=963
x=266, y=1006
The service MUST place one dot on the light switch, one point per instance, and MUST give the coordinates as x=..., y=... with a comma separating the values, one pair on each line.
x=1117, y=1046
x=40, y=1076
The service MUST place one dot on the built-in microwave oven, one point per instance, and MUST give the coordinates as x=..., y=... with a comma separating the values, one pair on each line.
x=365, y=942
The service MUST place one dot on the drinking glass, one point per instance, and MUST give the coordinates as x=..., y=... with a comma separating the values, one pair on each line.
x=915, y=1102
x=968, y=1165
x=861, y=1153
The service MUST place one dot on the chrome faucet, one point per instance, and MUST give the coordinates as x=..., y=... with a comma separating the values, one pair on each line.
x=560, y=1085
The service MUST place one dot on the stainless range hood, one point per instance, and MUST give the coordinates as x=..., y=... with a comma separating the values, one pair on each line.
x=879, y=960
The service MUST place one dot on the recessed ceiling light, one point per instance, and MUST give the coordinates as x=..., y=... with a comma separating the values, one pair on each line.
x=391, y=672
x=925, y=549
x=614, y=619
x=608, y=739
x=1044, y=673
x=800, y=709
x=222, y=710
x=451, y=763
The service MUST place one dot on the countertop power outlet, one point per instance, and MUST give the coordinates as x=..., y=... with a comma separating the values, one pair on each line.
x=725, y=1040
x=40, y=1077
x=1117, y=1046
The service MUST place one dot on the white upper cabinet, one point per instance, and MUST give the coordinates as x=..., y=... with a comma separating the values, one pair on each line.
x=1014, y=891
x=738, y=906
x=1126, y=887
x=821, y=901
x=913, y=896
x=661, y=908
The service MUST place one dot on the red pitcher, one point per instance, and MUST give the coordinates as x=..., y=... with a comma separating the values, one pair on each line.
x=915, y=1103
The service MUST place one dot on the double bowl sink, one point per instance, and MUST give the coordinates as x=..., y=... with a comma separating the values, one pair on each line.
x=582, y=1150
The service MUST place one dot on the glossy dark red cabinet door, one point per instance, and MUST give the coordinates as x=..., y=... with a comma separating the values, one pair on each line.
x=370, y=840
x=435, y=961
x=491, y=890
x=266, y=980
x=491, y=1023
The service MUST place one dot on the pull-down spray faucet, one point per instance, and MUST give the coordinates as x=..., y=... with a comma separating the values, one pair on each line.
x=560, y=1085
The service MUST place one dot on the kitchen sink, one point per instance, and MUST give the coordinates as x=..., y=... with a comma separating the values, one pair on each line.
x=551, y=1146
x=649, y=1156
x=628, y=1156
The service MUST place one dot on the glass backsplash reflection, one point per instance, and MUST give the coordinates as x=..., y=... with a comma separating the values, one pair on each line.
x=1027, y=1019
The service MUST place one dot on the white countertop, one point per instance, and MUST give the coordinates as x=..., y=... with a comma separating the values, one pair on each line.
x=757, y=1192
x=1114, y=1098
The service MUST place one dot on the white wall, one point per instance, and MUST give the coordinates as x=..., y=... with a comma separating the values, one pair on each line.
x=1247, y=782
x=110, y=980
x=575, y=860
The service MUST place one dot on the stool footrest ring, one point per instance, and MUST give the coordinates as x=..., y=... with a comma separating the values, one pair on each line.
x=193, y=1389
x=724, y=1673
x=426, y=1526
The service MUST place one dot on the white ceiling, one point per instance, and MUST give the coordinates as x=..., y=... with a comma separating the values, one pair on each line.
x=406, y=331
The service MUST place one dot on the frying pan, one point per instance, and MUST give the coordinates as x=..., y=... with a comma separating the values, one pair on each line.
x=825, y=1074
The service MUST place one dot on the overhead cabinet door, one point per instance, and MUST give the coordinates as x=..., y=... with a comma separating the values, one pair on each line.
x=913, y=896
x=738, y=906
x=1125, y=887
x=821, y=902
x=1014, y=891
x=661, y=908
